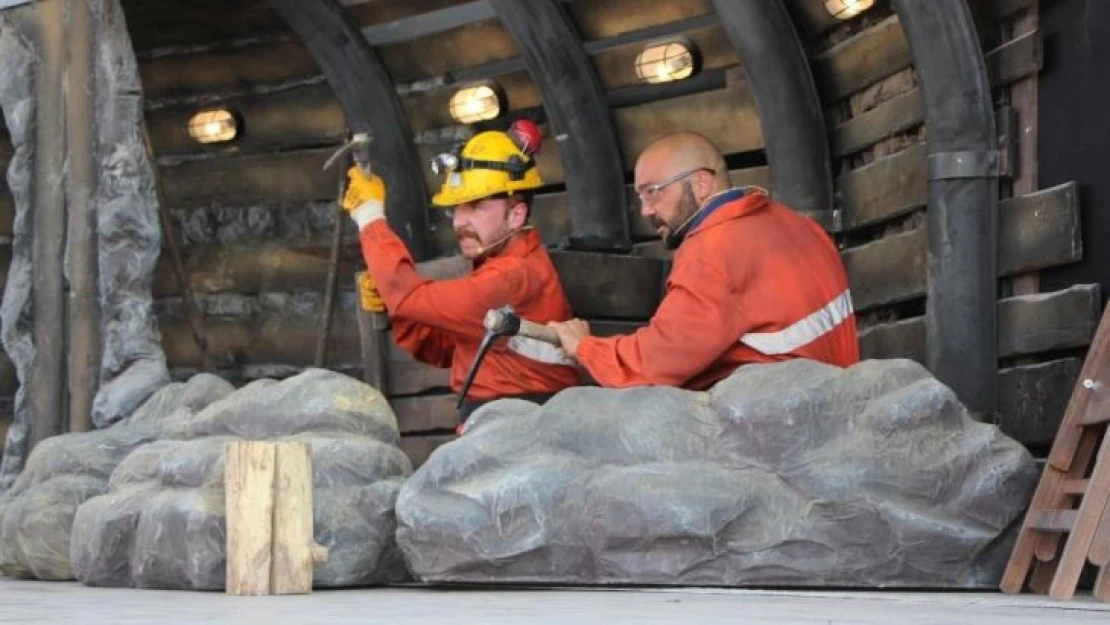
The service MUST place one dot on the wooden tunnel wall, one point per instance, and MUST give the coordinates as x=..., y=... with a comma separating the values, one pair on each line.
x=254, y=218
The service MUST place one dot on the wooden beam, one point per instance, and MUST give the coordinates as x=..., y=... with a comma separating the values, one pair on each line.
x=893, y=116
x=428, y=24
x=598, y=285
x=891, y=186
x=249, y=500
x=82, y=185
x=616, y=66
x=1007, y=63
x=294, y=549
x=727, y=115
x=1027, y=325
x=369, y=100
x=576, y=105
x=271, y=339
x=47, y=381
x=887, y=271
x=612, y=18
x=225, y=69
x=1032, y=399
x=276, y=178
x=449, y=52
x=1039, y=230
x=1016, y=59
x=853, y=64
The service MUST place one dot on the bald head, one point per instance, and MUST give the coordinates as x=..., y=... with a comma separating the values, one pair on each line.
x=675, y=176
x=684, y=151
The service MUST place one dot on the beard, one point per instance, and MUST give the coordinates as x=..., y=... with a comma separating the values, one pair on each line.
x=672, y=234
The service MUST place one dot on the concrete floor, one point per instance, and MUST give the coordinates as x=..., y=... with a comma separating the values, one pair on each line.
x=39, y=602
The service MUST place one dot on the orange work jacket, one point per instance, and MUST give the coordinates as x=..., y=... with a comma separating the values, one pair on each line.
x=753, y=282
x=439, y=322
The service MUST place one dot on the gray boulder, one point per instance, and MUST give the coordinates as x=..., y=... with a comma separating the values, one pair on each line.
x=796, y=473
x=36, y=514
x=161, y=523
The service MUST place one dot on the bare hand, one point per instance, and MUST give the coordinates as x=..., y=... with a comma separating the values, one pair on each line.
x=571, y=334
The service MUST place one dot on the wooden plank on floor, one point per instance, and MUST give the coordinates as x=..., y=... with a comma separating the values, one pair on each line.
x=1027, y=325
x=270, y=178
x=1032, y=399
x=853, y=64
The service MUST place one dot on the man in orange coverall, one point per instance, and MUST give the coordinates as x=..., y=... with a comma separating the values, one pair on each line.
x=752, y=281
x=440, y=321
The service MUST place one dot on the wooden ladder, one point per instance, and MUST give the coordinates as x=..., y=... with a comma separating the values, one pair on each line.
x=1068, y=522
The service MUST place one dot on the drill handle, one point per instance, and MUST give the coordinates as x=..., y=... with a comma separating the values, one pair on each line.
x=538, y=331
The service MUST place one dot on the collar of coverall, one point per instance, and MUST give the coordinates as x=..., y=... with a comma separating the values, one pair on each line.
x=711, y=204
x=520, y=242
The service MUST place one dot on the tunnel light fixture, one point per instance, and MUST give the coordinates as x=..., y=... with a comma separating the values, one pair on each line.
x=476, y=103
x=214, y=126
x=847, y=9
x=667, y=60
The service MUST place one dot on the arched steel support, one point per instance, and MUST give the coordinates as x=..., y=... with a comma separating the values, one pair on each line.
x=789, y=108
x=961, y=311
x=576, y=105
x=369, y=100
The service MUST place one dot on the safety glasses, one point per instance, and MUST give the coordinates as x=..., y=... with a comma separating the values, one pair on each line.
x=649, y=193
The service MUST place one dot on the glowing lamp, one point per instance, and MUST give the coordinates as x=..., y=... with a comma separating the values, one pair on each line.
x=214, y=126
x=666, y=61
x=847, y=9
x=475, y=103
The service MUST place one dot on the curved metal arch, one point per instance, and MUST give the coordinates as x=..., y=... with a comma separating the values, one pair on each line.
x=790, y=112
x=962, y=217
x=369, y=100
x=576, y=105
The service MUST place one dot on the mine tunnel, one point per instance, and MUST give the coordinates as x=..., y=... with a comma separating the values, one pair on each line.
x=173, y=209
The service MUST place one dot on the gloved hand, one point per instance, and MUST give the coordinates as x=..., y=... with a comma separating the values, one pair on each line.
x=364, y=200
x=368, y=294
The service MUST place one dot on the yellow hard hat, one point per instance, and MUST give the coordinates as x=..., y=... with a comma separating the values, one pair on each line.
x=489, y=164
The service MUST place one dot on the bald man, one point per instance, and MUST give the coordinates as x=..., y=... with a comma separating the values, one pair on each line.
x=752, y=281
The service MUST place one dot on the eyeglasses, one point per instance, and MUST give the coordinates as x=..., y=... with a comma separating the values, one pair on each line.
x=649, y=193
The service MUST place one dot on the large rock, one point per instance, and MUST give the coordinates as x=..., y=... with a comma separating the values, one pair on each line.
x=162, y=523
x=36, y=514
x=132, y=364
x=796, y=473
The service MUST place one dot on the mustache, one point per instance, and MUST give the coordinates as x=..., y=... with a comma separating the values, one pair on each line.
x=466, y=233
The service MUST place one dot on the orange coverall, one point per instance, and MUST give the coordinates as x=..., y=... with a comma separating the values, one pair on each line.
x=440, y=321
x=753, y=282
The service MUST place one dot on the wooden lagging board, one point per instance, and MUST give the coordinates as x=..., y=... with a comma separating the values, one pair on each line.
x=1068, y=523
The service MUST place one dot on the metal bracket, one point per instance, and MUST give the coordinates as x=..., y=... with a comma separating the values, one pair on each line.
x=965, y=164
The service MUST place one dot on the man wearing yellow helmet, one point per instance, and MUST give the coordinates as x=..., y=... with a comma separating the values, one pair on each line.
x=440, y=321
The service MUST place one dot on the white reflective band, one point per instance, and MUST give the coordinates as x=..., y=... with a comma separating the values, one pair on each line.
x=367, y=213
x=803, y=332
x=539, y=351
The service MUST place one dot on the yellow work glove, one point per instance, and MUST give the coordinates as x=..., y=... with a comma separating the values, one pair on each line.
x=364, y=200
x=368, y=294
